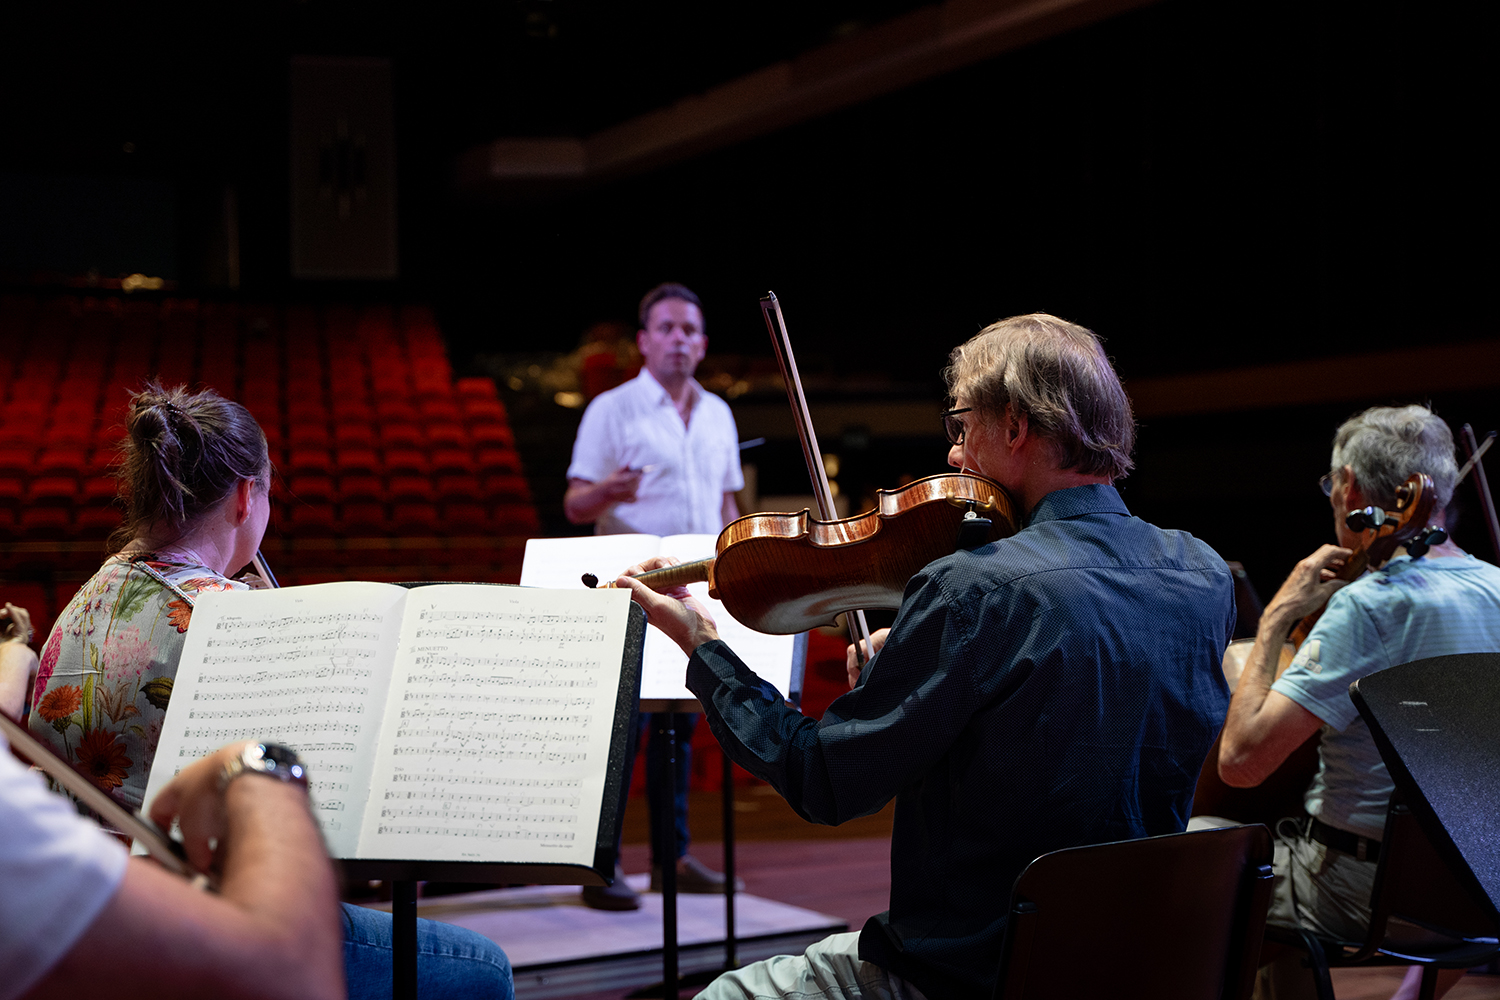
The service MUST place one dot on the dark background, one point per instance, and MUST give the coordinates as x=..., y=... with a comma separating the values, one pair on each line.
x=1208, y=185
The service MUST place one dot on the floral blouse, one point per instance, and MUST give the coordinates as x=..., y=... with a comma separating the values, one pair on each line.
x=107, y=669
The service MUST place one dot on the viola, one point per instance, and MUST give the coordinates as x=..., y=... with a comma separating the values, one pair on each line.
x=1281, y=793
x=783, y=573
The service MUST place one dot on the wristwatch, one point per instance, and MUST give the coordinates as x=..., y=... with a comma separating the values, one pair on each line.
x=274, y=760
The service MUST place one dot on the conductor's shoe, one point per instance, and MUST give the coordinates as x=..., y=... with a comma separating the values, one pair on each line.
x=694, y=876
x=612, y=897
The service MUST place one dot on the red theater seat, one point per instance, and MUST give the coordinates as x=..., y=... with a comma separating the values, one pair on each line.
x=46, y=523
x=61, y=462
x=357, y=434
x=417, y=489
x=516, y=519
x=407, y=462
x=312, y=488
x=458, y=487
x=414, y=518
x=476, y=388
x=359, y=461
x=98, y=491
x=56, y=491
x=401, y=435
x=452, y=461
x=497, y=461
x=309, y=461
x=465, y=517
x=447, y=432
x=311, y=520
x=483, y=411
x=507, y=487
x=308, y=435
x=361, y=487
x=362, y=517
x=97, y=522
x=492, y=436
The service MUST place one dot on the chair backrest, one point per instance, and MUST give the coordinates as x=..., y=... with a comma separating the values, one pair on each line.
x=1436, y=723
x=1175, y=916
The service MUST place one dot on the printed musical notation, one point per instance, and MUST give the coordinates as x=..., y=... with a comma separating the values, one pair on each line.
x=480, y=833
x=506, y=633
x=291, y=655
x=281, y=624
x=257, y=712
x=305, y=691
x=519, y=617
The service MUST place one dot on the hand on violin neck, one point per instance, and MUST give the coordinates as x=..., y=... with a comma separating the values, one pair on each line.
x=1311, y=583
x=675, y=611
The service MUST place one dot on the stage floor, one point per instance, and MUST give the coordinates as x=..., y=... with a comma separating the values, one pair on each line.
x=559, y=947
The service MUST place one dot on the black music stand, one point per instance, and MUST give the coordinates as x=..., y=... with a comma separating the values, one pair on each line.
x=1436, y=723
x=669, y=954
x=404, y=875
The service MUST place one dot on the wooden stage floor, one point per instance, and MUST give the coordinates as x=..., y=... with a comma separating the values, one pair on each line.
x=813, y=874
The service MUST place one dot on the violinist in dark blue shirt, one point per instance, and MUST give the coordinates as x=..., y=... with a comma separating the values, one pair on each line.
x=1055, y=688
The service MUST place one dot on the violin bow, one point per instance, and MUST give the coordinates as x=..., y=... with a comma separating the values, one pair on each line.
x=264, y=569
x=770, y=310
x=1482, y=484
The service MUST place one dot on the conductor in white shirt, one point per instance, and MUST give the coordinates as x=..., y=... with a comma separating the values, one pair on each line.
x=659, y=455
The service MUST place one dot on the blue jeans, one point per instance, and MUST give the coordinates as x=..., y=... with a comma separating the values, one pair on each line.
x=451, y=961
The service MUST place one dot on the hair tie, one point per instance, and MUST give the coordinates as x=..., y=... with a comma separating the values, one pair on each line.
x=170, y=406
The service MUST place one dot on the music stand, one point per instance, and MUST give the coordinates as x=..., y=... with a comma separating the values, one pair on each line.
x=404, y=875
x=669, y=955
x=1436, y=723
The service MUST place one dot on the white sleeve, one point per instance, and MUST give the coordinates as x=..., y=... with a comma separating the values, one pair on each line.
x=594, y=453
x=57, y=872
x=734, y=476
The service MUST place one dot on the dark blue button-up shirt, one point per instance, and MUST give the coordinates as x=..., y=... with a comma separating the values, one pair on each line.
x=1055, y=688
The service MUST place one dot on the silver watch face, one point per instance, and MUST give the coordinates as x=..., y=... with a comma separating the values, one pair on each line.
x=275, y=760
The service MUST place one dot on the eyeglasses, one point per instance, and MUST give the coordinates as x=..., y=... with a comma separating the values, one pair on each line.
x=952, y=426
x=1325, y=483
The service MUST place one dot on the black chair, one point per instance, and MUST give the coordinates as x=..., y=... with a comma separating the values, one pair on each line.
x=1436, y=723
x=1176, y=916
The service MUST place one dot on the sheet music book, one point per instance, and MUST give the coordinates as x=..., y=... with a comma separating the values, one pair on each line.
x=462, y=723
x=561, y=562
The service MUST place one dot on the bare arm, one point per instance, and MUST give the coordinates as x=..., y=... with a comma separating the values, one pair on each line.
x=274, y=930
x=731, y=508
x=1264, y=726
x=586, y=500
x=17, y=661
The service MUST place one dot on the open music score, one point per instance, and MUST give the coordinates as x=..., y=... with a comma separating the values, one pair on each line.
x=446, y=722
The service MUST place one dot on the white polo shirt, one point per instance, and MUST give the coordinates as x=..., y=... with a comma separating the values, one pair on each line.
x=57, y=872
x=690, y=468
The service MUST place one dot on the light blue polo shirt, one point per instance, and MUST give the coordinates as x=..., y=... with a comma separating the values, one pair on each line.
x=1409, y=610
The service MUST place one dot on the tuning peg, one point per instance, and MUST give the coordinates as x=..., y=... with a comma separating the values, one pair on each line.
x=1417, y=547
x=1365, y=518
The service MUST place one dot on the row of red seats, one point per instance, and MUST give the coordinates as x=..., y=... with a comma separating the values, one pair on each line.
x=412, y=518
x=454, y=516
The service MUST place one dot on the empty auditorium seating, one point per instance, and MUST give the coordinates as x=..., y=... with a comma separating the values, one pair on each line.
x=388, y=467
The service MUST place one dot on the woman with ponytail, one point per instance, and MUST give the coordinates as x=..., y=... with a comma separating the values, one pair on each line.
x=195, y=479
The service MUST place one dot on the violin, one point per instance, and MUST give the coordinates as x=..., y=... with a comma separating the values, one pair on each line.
x=788, y=573
x=1281, y=793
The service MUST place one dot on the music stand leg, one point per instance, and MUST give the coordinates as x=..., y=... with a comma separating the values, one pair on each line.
x=731, y=960
x=404, y=940
x=668, y=820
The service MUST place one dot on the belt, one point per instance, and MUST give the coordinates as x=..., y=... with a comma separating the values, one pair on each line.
x=1352, y=844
